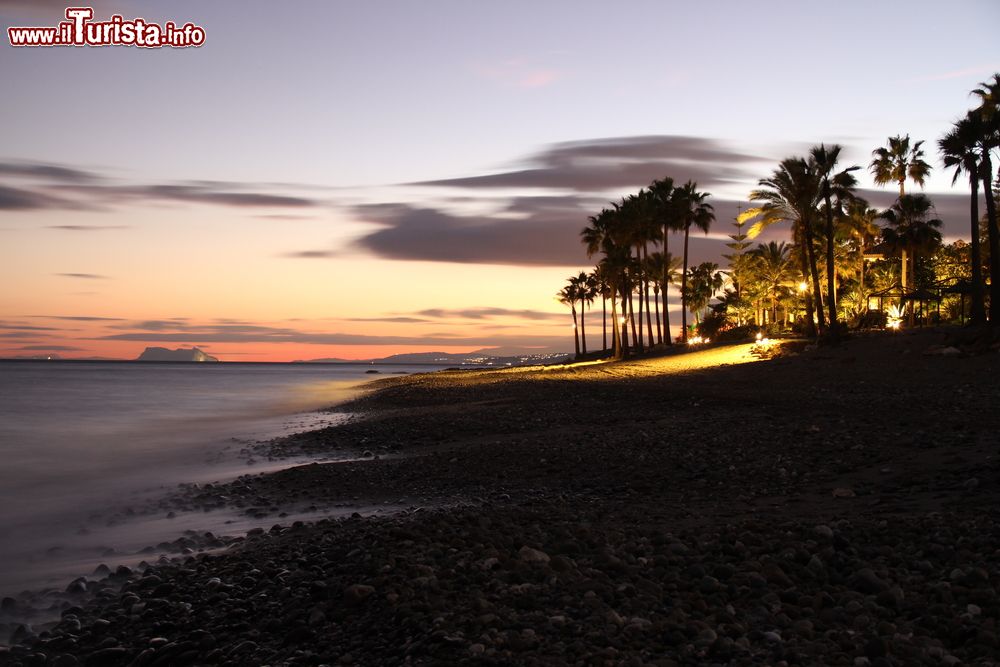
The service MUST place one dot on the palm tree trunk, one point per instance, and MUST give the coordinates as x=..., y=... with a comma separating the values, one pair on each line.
x=814, y=273
x=977, y=314
x=830, y=290
x=576, y=332
x=623, y=336
x=993, y=237
x=604, y=322
x=663, y=287
x=615, y=332
x=810, y=324
x=583, y=325
x=684, y=284
x=639, y=285
x=656, y=304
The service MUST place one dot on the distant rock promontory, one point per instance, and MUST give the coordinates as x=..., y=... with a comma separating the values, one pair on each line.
x=180, y=354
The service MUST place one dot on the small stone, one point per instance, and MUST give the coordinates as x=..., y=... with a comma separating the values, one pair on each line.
x=357, y=593
x=823, y=530
x=529, y=555
x=843, y=492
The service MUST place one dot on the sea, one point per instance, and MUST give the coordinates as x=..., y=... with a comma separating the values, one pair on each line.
x=79, y=439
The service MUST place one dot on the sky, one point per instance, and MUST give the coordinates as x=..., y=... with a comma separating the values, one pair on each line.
x=358, y=179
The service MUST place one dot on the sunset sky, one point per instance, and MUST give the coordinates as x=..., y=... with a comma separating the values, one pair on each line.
x=357, y=179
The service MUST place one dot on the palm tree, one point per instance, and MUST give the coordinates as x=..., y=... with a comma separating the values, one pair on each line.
x=896, y=163
x=604, y=235
x=703, y=282
x=773, y=266
x=586, y=291
x=602, y=282
x=694, y=211
x=960, y=150
x=841, y=186
x=665, y=209
x=859, y=223
x=667, y=269
x=791, y=195
x=989, y=112
x=910, y=228
x=568, y=297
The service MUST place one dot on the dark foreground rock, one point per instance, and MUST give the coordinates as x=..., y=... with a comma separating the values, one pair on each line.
x=837, y=507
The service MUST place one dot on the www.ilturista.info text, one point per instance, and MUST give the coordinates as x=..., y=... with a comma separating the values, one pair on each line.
x=80, y=30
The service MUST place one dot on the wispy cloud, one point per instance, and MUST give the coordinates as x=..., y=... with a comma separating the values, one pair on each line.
x=516, y=73
x=84, y=276
x=982, y=70
x=86, y=228
x=311, y=254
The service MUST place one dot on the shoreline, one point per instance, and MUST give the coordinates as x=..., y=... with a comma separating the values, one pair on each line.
x=660, y=511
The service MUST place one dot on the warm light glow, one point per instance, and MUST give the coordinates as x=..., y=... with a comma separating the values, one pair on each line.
x=803, y=286
x=759, y=336
x=696, y=340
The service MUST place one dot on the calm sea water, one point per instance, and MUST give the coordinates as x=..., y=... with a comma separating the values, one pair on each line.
x=80, y=438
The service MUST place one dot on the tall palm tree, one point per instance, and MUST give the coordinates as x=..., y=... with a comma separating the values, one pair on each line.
x=911, y=229
x=895, y=163
x=960, y=151
x=838, y=185
x=667, y=269
x=989, y=112
x=586, y=290
x=665, y=208
x=604, y=234
x=602, y=282
x=568, y=297
x=694, y=211
x=791, y=195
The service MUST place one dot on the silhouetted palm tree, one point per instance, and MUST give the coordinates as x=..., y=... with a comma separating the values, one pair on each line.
x=666, y=210
x=895, y=163
x=568, y=296
x=666, y=268
x=960, y=150
x=791, y=195
x=693, y=211
x=840, y=186
x=911, y=229
x=989, y=112
x=586, y=291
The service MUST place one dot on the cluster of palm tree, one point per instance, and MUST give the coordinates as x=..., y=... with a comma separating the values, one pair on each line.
x=632, y=238
x=821, y=273
x=967, y=149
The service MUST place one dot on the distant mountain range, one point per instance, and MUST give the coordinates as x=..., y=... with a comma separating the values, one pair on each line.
x=180, y=354
x=478, y=358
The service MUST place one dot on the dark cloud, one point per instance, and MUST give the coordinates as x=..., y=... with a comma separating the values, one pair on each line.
x=85, y=276
x=50, y=348
x=192, y=193
x=397, y=320
x=78, y=318
x=488, y=313
x=605, y=164
x=19, y=335
x=539, y=231
x=311, y=254
x=92, y=191
x=20, y=199
x=47, y=172
x=549, y=235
